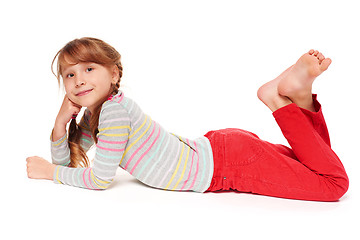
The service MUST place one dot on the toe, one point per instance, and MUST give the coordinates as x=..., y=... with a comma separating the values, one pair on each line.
x=325, y=64
x=311, y=51
x=320, y=57
x=316, y=53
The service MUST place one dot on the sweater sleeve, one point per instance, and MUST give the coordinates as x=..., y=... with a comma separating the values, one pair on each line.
x=60, y=152
x=86, y=140
x=114, y=129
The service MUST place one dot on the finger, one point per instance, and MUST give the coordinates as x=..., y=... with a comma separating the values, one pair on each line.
x=75, y=104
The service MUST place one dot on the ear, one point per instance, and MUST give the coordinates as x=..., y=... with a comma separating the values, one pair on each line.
x=115, y=74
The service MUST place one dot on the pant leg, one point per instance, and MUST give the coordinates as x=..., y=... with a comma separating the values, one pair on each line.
x=318, y=123
x=317, y=120
x=310, y=170
x=308, y=137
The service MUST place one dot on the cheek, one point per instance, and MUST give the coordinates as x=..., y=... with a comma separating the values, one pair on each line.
x=67, y=89
x=66, y=84
x=105, y=83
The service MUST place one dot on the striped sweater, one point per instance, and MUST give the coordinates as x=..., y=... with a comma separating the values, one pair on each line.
x=132, y=140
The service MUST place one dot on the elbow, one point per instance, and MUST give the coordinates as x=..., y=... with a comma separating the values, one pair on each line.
x=99, y=184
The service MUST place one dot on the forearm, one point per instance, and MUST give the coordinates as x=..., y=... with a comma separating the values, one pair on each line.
x=82, y=177
x=58, y=132
x=60, y=152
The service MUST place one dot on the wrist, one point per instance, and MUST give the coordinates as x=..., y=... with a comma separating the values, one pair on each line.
x=60, y=123
x=58, y=132
x=51, y=170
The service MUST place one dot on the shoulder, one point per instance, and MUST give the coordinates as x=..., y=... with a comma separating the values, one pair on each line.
x=113, y=108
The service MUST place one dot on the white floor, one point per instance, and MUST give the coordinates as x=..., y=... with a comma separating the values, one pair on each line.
x=203, y=58
x=128, y=209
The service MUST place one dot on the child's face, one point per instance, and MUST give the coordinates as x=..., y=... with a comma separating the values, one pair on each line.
x=88, y=84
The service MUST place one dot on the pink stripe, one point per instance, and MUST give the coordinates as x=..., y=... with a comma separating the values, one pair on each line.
x=112, y=142
x=142, y=145
x=87, y=135
x=113, y=98
x=197, y=168
x=138, y=161
x=84, y=179
x=192, y=161
x=90, y=178
x=110, y=149
x=121, y=98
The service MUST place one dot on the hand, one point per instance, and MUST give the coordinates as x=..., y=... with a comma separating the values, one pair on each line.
x=67, y=110
x=39, y=168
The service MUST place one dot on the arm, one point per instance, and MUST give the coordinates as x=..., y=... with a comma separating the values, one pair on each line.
x=60, y=152
x=39, y=168
x=67, y=110
x=114, y=129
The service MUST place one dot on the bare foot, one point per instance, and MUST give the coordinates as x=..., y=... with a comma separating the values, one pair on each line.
x=297, y=84
x=268, y=93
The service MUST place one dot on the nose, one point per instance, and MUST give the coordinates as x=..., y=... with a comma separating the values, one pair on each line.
x=79, y=81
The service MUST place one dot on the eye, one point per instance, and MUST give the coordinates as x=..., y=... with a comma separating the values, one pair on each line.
x=89, y=69
x=70, y=75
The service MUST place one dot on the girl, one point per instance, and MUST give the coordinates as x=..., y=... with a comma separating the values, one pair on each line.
x=222, y=160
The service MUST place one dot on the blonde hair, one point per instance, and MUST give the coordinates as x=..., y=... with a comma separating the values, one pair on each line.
x=86, y=50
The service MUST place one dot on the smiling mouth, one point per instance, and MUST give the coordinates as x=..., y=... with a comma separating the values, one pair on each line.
x=84, y=92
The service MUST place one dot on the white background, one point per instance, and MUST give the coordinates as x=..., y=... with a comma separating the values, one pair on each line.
x=206, y=58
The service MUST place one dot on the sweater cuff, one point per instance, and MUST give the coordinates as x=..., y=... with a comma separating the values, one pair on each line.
x=56, y=175
x=59, y=141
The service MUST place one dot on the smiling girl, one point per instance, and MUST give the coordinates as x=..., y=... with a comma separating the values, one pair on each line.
x=222, y=160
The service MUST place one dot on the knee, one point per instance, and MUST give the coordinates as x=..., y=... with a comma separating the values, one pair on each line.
x=339, y=187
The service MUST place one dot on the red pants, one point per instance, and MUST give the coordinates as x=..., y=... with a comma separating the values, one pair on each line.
x=310, y=170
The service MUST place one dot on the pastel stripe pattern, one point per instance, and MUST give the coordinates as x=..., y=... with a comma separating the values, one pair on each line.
x=132, y=140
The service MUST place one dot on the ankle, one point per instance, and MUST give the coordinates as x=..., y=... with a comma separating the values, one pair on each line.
x=306, y=102
x=273, y=101
x=279, y=102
